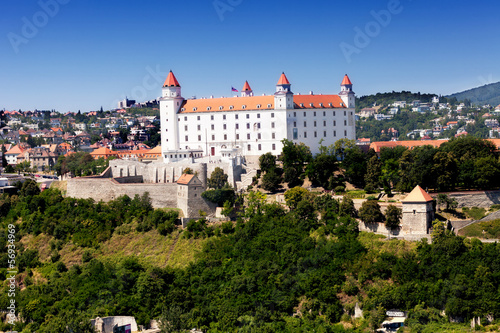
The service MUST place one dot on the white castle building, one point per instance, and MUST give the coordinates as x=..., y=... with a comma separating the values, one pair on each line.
x=252, y=125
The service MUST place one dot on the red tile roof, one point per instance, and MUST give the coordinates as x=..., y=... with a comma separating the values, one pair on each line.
x=246, y=87
x=171, y=81
x=283, y=80
x=346, y=81
x=418, y=195
x=184, y=179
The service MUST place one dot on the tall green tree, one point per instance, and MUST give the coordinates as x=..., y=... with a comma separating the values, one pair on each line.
x=370, y=212
x=218, y=179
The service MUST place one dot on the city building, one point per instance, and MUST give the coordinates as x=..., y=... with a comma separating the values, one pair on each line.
x=252, y=125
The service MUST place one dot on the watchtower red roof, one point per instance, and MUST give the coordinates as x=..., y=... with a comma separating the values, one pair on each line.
x=346, y=81
x=418, y=195
x=171, y=81
x=184, y=179
x=283, y=80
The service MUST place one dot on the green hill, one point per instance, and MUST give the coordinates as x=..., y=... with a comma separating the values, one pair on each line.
x=487, y=94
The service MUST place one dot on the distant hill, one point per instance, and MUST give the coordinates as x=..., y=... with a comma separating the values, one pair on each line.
x=487, y=94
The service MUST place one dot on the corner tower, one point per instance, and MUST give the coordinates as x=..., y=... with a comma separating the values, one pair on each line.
x=283, y=97
x=170, y=104
x=346, y=93
x=418, y=212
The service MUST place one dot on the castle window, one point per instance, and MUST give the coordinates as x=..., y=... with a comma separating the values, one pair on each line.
x=185, y=118
x=259, y=146
x=211, y=117
x=273, y=135
x=237, y=136
x=334, y=133
x=274, y=146
x=258, y=136
x=194, y=109
x=330, y=104
x=272, y=125
x=248, y=125
x=243, y=106
x=314, y=114
x=345, y=122
x=223, y=117
x=221, y=107
x=305, y=134
x=249, y=147
x=186, y=127
x=224, y=126
x=199, y=127
x=258, y=125
x=235, y=116
x=345, y=133
x=315, y=123
x=324, y=114
x=213, y=137
x=294, y=124
x=324, y=123
x=295, y=114
x=198, y=118
x=345, y=113
x=209, y=108
x=305, y=123
x=199, y=137
x=334, y=113
x=315, y=134
x=248, y=116
x=231, y=107
x=258, y=106
x=270, y=106
x=272, y=113
x=321, y=104
x=258, y=115
x=324, y=134
x=304, y=114
x=334, y=123
x=414, y=211
x=301, y=105
x=213, y=127
x=225, y=136
x=237, y=126
x=248, y=136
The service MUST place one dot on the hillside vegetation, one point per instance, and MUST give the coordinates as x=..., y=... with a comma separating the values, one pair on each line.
x=274, y=270
x=487, y=94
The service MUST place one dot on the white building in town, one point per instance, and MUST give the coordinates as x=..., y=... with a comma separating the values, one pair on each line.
x=252, y=125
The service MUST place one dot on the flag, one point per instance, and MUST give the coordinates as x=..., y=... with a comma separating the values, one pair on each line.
x=233, y=89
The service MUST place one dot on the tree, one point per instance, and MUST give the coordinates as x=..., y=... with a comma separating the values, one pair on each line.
x=4, y=159
x=354, y=165
x=218, y=179
x=342, y=145
x=370, y=212
x=444, y=199
x=188, y=171
x=294, y=158
x=321, y=169
x=29, y=188
x=347, y=208
x=271, y=181
x=373, y=172
x=295, y=195
x=267, y=162
x=445, y=171
x=393, y=216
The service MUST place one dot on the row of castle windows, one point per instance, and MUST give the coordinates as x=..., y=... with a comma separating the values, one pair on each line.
x=224, y=126
x=315, y=123
x=259, y=137
x=315, y=134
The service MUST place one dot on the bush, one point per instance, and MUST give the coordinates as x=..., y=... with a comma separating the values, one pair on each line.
x=339, y=189
x=370, y=212
x=219, y=196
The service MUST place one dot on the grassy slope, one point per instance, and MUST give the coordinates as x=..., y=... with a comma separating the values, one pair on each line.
x=491, y=230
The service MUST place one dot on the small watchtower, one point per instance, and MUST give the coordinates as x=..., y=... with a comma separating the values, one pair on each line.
x=418, y=212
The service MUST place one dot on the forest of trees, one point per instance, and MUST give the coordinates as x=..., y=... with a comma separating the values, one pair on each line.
x=300, y=269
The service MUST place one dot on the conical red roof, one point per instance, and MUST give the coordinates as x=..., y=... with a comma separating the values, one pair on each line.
x=246, y=87
x=283, y=80
x=346, y=81
x=171, y=81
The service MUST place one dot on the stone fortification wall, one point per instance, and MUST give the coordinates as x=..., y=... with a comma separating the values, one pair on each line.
x=159, y=172
x=482, y=199
x=377, y=228
x=106, y=189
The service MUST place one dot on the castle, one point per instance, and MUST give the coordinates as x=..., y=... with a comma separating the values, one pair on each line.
x=252, y=125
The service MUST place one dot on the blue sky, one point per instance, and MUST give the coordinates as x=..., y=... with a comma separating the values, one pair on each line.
x=84, y=54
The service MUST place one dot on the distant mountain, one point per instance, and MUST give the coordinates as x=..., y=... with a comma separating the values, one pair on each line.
x=487, y=94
